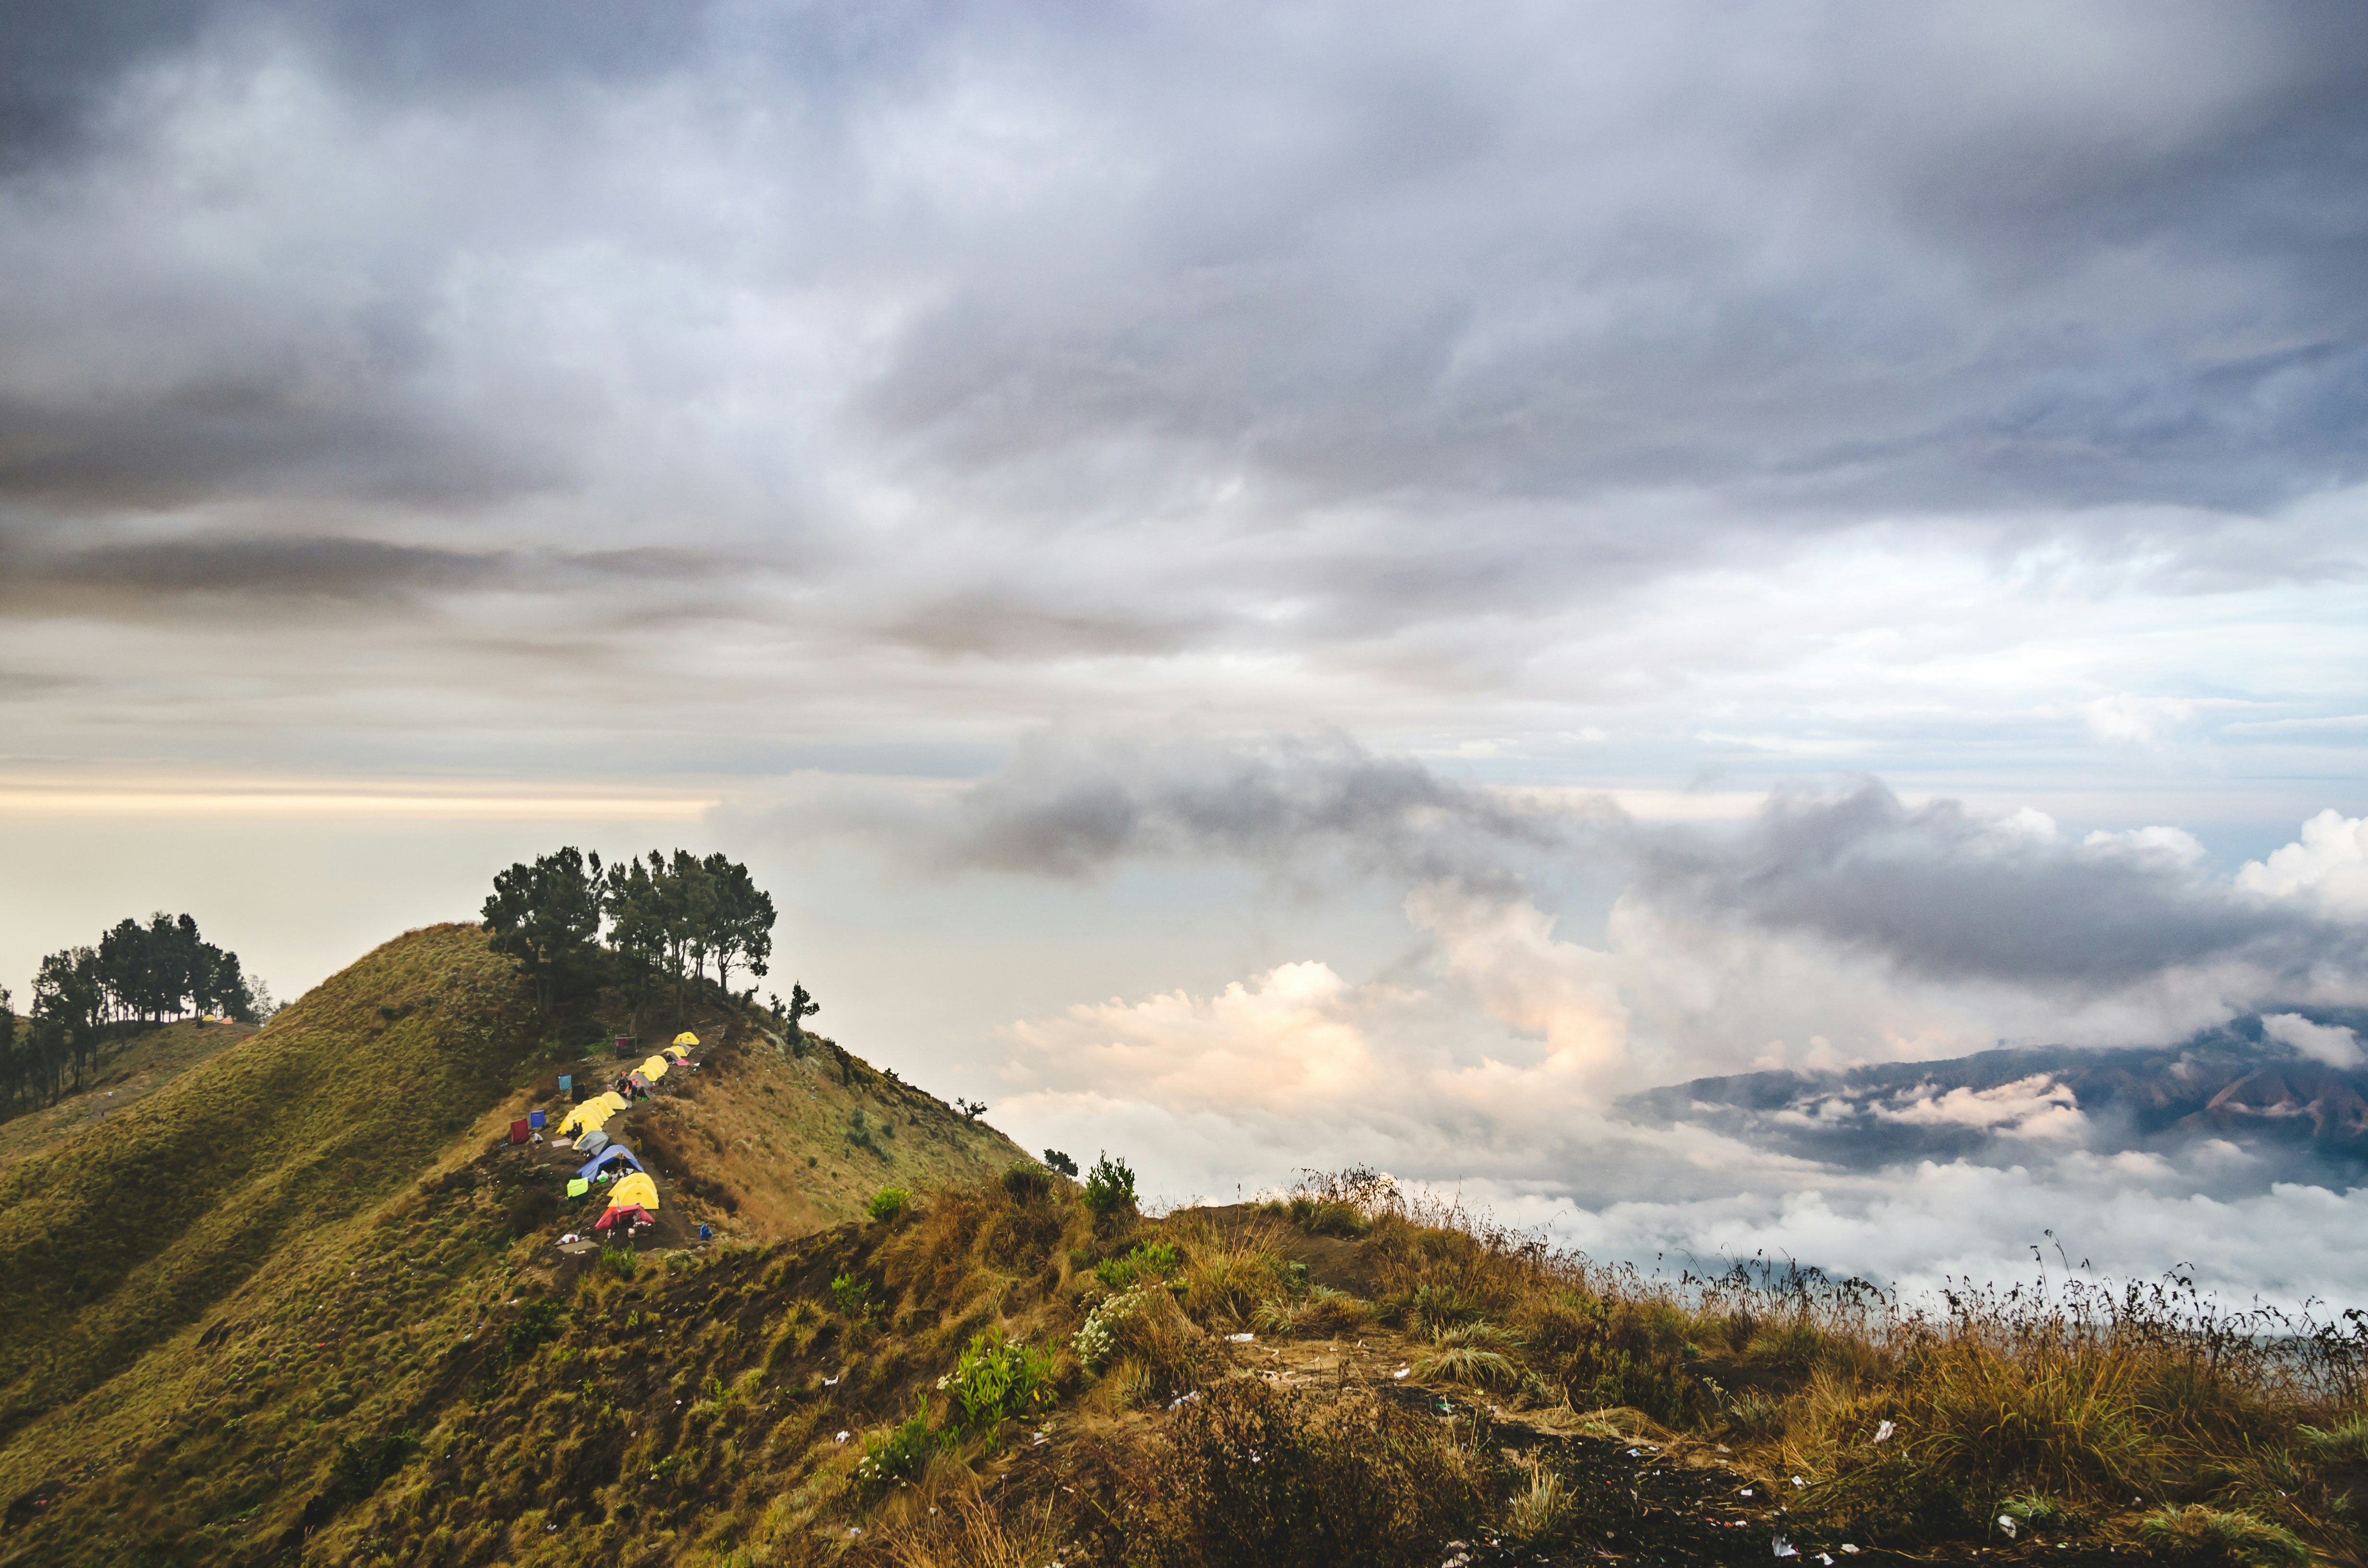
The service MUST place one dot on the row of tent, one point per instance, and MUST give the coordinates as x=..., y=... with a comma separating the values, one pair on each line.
x=590, y=1116
x=634, y=1199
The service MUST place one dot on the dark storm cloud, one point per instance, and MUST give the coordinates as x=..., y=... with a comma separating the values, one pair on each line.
x=329, y=568
x=1063, y=808
x=1932, y=889
x=1942, y=892
x=61, y=61
x=1440, y=296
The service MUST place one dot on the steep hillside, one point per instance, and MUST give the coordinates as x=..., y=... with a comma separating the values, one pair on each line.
x=131, y=1070
x=133, y=1229
x=770, y=1145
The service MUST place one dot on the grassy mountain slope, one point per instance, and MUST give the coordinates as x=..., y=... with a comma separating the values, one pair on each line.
x=772, y=1146
x=230, y=1290
x=133, y=1071
x=133, y=1229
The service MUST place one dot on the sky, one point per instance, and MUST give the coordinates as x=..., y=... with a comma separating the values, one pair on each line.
x=1267, y=588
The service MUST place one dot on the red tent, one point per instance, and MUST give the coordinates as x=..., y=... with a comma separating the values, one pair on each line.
x=634, y=1215
x=521, y=1131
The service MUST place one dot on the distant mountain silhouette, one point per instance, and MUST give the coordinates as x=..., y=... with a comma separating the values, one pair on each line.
x=2295, y=1116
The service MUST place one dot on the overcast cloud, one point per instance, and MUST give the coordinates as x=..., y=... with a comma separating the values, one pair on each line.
x=1645, y=541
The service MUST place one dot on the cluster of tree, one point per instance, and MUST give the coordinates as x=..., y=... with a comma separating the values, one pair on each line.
x=667, y=920
x=85, y=998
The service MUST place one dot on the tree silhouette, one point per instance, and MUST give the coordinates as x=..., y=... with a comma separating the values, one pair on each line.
x=547, y=916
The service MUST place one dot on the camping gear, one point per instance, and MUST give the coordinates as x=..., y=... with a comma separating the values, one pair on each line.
x=592, y=1142
x=579, y=1187
x=567, y=1082
x=630, y=1215
x=588, y=1115
x=685, y=1037
x=705, y=1234
x=519, y=1132
x=656, y=1068
x=578, y=1094
x=636, y=1189
x=614, y=1101
x=534, y=1119
x=676, y=1054
x=637, y=1081
x=614, y=1155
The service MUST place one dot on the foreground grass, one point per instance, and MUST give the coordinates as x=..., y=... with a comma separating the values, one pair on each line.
x=1347, y=1378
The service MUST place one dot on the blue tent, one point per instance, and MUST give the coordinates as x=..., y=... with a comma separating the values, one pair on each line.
x=614, y=1155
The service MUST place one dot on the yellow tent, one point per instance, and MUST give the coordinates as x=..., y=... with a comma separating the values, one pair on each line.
x=685, y=1037
x=612, y=1099
x=637, y=1189
x=655, y=1068
x=676, y=1053
x=587, y=1117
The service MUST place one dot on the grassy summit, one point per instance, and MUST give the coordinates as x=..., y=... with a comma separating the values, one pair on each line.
x=330, y=1175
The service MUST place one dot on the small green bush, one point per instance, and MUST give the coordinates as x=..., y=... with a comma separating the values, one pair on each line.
x=1026, y=1180
x=1109, y=1186
x=536, y=1322
x=2197, y=1534
x=998, y=1379
x=852, y=1297
x=1327, y=1217
x=899, y=1456
x=889, y=1203
x=1148, y=1261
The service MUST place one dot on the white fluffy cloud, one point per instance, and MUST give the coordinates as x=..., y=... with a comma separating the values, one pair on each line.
x=2328, y=866
x=2321, y=1042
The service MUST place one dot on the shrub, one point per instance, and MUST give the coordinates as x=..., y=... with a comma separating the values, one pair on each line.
x=852, y=1297
x=536, y=1322
x=1097, y=1340
x=899, y=1455
x=1027, y=1180
x=2345, y=1443
x=361, y=1468
x=1466, y=1356
x=1538, y=1510
x=1143, y=1328
x=1348, y=1478
x=889, y=1203
x=1435, y=1308
x=1145, y=1262
x=1326, y=1313
x=1109, y=1186
x=998, y=1379
x=618, y=1261
x=1327, y=1217
x=2197, y=1534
